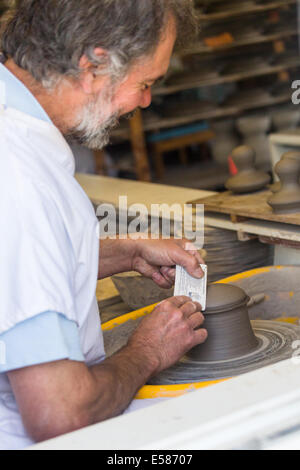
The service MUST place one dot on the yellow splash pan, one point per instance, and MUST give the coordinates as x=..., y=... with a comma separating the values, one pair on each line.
x=262, y=275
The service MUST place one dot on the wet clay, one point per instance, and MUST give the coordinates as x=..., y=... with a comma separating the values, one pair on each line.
x=234, y=345
x=267, y=342
x=230, y=334
x=275, y=343
x=248, y=178
x=287, y=199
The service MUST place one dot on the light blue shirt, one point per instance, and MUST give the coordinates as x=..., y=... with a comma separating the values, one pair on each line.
x=50, y=336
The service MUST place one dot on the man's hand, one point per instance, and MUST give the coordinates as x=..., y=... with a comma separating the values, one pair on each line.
x=157, y=259
x=172, y=329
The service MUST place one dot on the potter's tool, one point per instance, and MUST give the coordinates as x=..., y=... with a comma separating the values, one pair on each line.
x=190, y=286
x=234, y=345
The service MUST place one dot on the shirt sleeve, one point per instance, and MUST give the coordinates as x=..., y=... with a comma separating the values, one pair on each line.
x=48, y=337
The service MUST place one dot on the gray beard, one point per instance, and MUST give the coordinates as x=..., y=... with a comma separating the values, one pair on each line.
x=88, y=132
x=94, y=139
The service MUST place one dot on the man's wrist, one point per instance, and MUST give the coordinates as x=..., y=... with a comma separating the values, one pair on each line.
x=144, y=359
x=116, y=256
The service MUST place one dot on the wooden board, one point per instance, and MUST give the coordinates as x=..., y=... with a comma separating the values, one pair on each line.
x=253, y=206
x=221, y=79
x=214, y=113
x=223, y=15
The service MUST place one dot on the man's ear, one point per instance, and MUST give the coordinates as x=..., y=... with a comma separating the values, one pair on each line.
x=88, y=70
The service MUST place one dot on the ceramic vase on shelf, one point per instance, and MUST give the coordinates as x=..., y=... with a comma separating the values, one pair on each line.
x=254, y=130
x=248, y=179
x=286, y=119
x=286, y=200
x=224, y=142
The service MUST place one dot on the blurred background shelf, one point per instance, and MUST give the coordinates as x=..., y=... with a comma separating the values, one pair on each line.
x=259, y=39
x=222, y=112
x=239, y=10
x=197, y=83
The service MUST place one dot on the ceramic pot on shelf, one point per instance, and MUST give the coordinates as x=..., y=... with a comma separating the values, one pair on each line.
x=254, y=131
x=286, y=119
x=287, y=199
x=224, y=142
x=248, y=179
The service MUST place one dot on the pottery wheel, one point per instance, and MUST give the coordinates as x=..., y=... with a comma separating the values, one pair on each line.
x=275, y=341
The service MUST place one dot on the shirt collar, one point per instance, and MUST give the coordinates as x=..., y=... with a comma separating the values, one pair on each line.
x=15, y=95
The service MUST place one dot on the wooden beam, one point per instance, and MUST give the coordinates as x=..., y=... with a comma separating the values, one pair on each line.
x=138, y=143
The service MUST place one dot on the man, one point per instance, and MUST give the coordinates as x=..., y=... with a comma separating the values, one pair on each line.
x=73, y=68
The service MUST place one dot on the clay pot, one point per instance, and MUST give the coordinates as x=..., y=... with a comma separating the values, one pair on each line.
x=224, y=142
x=287, y=199
x=252, y=125
x=276, y=187
x=254, y=131
x=286, y=119
x=248, y=179
x=230, y=334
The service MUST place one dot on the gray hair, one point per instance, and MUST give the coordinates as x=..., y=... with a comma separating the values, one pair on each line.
x=48, y=37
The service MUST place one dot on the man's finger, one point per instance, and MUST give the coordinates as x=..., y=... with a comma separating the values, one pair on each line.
x=200, y=336
x=196, y=320
x=168, y=273
x=160, y=280
x=179, y=300
x=197, y=256
x=191, y=308
x=191, y=264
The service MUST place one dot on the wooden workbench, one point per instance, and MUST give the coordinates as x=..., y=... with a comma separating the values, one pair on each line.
x=285, y=236
x=102, y=189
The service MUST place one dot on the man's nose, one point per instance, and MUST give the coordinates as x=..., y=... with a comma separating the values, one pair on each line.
x=146, y=98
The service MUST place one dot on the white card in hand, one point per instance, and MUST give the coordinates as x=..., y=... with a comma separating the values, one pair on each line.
x=190, y=286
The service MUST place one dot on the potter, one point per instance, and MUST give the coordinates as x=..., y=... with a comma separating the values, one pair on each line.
x=74, y=74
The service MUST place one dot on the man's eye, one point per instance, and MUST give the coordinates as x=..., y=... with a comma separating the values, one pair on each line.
x=146, y=87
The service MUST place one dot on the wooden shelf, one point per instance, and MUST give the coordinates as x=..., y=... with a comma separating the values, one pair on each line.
x=245, y=11
x=219, y=112
x=221, y=79
x=201, y=49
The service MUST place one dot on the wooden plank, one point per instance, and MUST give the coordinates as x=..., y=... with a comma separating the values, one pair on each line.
x=243, y=11
x=175, y=143
x=201, y=49
x=249, y=206
x=219, y=80
x=139, y=148
x=218, y=112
